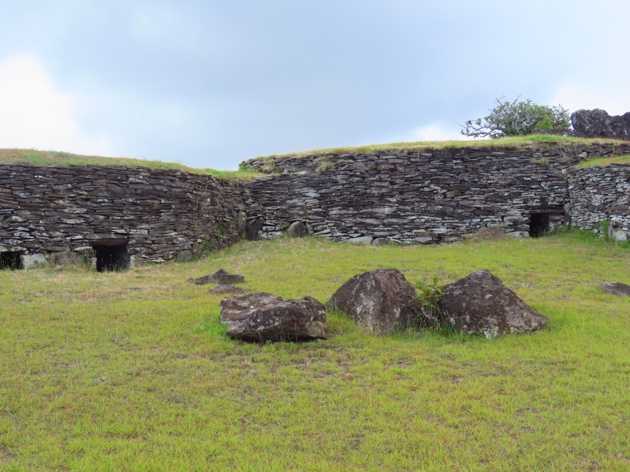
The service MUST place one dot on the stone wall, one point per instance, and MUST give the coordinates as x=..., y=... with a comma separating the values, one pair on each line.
x=417, y=196
x=100, y=214
x=61, y=212
x=597, y=194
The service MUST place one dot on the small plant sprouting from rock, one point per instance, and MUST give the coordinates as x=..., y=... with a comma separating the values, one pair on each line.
x=429, y=294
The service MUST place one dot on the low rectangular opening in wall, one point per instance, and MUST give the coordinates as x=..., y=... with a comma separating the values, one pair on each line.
x=10, y=261
x=111, y=254
x=538, y=224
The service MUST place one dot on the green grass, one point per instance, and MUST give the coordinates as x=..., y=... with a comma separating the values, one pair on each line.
x=54, y=158
x=605, y=161
x=535, y=140
x=133, y=371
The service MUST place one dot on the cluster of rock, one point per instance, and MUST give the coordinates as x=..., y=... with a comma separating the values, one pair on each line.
x=598, y=123
x=417, y=197
x=384, y=302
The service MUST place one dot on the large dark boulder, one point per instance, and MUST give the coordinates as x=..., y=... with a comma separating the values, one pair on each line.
x=264, y=317
x=615, y=288
x=481, y=304
x=599, y=124
x=382, y=301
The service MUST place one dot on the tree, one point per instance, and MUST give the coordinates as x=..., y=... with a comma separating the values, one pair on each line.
x=518, y=118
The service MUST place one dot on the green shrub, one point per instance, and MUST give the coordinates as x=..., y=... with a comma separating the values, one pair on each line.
x=517, y=118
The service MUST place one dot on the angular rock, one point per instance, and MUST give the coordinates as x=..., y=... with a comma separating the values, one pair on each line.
x=264, y=317
x=65, y=259
x=599, y=124
x=381, y=300
x=481, y=304
x=227, y=289
x=297, y=230
x=221, y=277
x=615, y=288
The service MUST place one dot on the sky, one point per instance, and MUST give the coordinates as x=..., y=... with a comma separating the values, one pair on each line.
x=211, y=83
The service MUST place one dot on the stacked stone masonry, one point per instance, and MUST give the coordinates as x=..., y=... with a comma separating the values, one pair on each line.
x=159, y=215
x=420, y=197
x=601, y=194
x=67, y=214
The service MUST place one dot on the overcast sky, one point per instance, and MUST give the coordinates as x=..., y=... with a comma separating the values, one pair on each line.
x=211, y=83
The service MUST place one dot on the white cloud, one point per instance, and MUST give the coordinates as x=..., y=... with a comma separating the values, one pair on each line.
x=35, y=114
x=607, y=95
x=435, y=132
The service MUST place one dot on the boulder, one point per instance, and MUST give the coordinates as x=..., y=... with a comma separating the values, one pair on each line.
x=481, y=304
x=297, y=230
x=615, y=288
x=264, y=317
x=227, y=289
x=382, y=301
x=253, y=228
x=599, y=124
x=65, y=259
x=221, y=277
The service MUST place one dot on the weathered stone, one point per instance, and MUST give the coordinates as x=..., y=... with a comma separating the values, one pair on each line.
x=599, y=124
x=262, y=317
x=481, y=304
x=381, y=300
x=227, y=289
x=219, y=277
x=32, y=261
x=241, y=224
x=253, y=228
x=65, y=259
x=297, y=230
x=615, y=288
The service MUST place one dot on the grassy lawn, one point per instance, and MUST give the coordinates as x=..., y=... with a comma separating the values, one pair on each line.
x=132, y=370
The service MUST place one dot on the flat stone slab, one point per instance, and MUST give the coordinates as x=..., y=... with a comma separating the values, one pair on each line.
x=221, y=277
x=615, y=288
x=481, y=304
x=260, y=317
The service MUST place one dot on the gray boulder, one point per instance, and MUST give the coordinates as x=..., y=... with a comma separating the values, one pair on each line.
x=297, y=230
x=481, y=304
x=615, y=288
x=264, y=317
x=599, y=124
x=382, y=301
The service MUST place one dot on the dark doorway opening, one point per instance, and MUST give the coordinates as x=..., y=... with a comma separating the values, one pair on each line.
x=538, y=224
x=111, y=254
x=10, y=261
